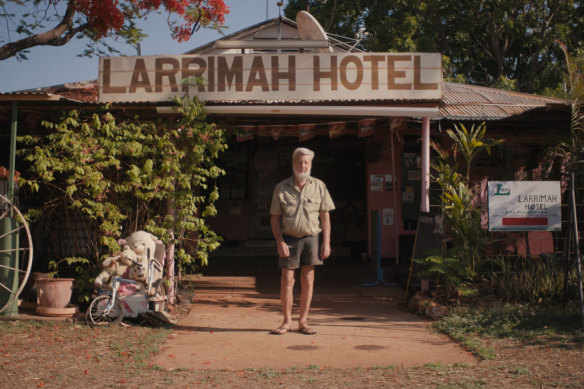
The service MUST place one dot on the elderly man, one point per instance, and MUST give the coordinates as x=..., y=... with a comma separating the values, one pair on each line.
x=297, y=205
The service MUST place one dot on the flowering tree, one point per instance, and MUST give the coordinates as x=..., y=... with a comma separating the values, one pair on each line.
x=27, y=21
x=129, y=175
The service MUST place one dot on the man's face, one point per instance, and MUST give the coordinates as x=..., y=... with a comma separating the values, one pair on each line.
x=302, y=165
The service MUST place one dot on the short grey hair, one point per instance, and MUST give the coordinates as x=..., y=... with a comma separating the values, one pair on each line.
x=302, y=151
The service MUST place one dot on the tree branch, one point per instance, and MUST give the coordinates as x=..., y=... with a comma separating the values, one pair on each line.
x=58, y=36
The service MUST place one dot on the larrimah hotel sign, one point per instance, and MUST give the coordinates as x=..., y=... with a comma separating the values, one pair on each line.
x=283, y=77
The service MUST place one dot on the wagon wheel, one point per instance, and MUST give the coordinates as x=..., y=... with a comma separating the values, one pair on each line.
x=15, y=253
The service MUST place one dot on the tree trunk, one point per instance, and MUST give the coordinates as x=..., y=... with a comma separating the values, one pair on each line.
x=170, y=210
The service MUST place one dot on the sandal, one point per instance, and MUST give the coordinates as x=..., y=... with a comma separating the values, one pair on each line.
x=279, y=331
x=306, y=331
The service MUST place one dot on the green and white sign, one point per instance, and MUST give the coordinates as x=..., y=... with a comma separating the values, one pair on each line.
x=525, y=205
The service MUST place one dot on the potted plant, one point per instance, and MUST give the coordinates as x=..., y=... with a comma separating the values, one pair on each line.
x=53, y=292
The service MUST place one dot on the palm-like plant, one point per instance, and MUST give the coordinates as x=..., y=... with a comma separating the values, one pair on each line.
x=465, y=239
x=471, y=142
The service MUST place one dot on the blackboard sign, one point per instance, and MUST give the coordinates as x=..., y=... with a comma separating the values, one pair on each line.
x=429, y=234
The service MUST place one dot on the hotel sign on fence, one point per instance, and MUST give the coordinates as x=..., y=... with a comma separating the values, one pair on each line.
x=525, y=206
x=285, y=77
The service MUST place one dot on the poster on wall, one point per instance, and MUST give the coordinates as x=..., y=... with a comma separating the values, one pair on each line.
x=376, y=182
x=387, y=216
x=245, y=133
x=525, y=205
x=408, y=196
x=366, y=127
x=388, y=182
x=306, y=132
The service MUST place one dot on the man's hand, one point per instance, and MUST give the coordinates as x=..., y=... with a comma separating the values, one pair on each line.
x=283, y=250
x=325, y=248
x=325, y=251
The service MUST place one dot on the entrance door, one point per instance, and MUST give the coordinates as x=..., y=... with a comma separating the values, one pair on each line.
x=264, y=180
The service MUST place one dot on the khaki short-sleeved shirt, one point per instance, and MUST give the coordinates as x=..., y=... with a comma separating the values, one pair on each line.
x=300, y=210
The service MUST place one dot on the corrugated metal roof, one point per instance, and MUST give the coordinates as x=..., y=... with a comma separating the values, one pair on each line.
x=459, y=101
x=80, y=92
x=472, y=102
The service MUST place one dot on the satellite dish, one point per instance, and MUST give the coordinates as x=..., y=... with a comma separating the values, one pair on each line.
x=310, y=29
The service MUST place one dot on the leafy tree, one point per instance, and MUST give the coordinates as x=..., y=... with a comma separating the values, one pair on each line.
x=505, y=44
x=56, y=22
x=571, y=150
x=133, y=175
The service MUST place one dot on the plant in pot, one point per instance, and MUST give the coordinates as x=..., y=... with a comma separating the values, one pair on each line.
x=54, y=292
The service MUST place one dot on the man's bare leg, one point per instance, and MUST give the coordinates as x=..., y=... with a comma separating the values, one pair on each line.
x=286, y=299
x=307, y=283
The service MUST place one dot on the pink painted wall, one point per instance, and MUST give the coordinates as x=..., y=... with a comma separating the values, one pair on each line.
x=384, y=198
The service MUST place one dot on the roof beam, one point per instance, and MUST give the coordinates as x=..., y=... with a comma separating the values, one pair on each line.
x=316, y=110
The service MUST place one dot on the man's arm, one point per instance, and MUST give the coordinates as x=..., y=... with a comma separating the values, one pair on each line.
x=283, y=250
x=325, y=248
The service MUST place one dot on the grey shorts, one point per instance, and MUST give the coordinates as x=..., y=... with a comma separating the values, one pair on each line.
x=303, y=252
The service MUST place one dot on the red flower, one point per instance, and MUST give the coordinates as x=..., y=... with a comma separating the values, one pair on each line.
x=110, y=15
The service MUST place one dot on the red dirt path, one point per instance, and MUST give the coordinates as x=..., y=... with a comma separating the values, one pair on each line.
x=229, y=323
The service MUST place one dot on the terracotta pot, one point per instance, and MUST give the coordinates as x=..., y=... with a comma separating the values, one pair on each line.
x=54, y=292
x=68, y=311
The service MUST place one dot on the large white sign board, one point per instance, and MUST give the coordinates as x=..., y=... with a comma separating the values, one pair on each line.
x=525, y=206
x=273, y=77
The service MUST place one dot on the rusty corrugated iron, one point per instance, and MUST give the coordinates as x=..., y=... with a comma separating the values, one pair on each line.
x=459, y=101
x=472, y=102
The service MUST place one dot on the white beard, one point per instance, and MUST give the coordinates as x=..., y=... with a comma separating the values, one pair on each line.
x=302, y=177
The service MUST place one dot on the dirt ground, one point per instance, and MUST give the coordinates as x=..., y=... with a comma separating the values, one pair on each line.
x=229, y=328
x=366, y=339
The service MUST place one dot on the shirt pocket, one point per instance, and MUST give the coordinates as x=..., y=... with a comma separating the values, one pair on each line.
x=288, y=207
x=311, y=206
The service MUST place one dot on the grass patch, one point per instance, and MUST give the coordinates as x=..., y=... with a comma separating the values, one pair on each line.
x=435, y=366
x=19, y=326
x=265, y=372
x=521, y=371
x=525, y=323
x=146, y=341
x=388, y=367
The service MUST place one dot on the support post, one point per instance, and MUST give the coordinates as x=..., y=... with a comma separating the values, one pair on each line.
x=425, y=203
x=12, y=163
x=394, y=193
x=574, y=220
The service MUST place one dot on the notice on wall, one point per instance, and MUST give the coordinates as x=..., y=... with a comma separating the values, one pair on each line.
x=414, y=175
x=387, y=217
x=376, y=182
x=408, y=195
x=525, y=206
x=388, y=182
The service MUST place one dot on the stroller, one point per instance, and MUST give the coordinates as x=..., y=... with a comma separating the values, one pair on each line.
x=129, y=298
